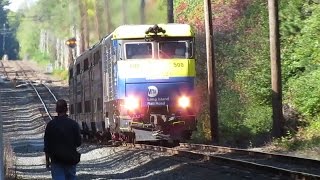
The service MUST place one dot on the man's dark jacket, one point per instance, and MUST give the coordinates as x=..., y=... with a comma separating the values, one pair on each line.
x=61, y=134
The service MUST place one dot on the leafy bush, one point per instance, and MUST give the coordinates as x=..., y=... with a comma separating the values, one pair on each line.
x=307, y=137
x=202, y=135
x=258, y=119
x=41, y=58
x=61, y=73
x=304, y=93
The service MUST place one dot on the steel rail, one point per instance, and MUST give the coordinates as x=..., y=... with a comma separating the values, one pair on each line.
x=50, y=91
x=44, y=104
x=37, y=92
x=241, y=164
x=251, y=153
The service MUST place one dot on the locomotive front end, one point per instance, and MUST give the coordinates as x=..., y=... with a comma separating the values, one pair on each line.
x=156, y=84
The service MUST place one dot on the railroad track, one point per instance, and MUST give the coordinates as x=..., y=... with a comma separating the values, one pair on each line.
x=45, y=95
x=282, y=165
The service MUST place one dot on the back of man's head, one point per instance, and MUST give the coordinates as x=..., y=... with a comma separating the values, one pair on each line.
x=61, y=106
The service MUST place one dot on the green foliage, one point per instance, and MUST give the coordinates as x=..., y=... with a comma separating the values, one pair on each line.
x=41, y=58
x=243, y=67
x=231, y=117
x=53, y=16
x=301, y=54
x=61, y=73
x=202, y=135
x=257, y=119
x=58, y=18
x=28, y=35
x=253, y=48
x=307, y=137
x=300, y=45
x=304, y=93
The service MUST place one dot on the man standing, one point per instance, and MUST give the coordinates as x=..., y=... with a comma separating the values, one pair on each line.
x=61, y=139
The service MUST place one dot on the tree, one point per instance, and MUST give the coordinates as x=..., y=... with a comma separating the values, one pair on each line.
x=107, y=16
x=9, y=44
x=84, y=33
x=124, y=12
x=142, y=12
x=97, y=19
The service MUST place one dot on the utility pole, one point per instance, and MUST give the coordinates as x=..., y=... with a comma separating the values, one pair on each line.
x=4, y=37
x=170, y=11
x=212, y=92
x=4, y=31
x=277, y=114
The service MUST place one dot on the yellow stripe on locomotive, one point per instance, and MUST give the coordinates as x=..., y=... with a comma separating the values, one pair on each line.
x=157, y=68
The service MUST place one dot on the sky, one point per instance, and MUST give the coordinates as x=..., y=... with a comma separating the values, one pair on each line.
x=16, y=4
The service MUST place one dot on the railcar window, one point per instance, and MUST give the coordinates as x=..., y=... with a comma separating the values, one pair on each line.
x=99, y=104
x=174, y=49
x=78, y=69
x=85, y=65
x=70, y=73
x=87, y=106
x=79, y=108
x=71, y=109
x=138, y=50
x=96, y=57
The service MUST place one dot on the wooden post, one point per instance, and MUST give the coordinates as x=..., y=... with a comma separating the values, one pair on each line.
x=212, y=92
x=277, y=114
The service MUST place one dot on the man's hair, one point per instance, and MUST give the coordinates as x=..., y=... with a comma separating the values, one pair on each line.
x=61, y=106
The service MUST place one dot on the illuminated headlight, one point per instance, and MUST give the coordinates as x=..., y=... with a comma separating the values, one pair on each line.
x=184, y=102
x=131, y=103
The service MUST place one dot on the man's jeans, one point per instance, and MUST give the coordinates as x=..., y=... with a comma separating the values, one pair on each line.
x=63, y=172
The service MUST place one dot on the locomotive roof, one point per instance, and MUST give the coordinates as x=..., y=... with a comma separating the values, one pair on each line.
x=139, y=31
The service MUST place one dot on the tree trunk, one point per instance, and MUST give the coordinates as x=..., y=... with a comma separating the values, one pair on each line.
x=142, y=12
x=97, y=20
x=82, y=27
x=86, y=25
x=124, y=12
x=107, y=16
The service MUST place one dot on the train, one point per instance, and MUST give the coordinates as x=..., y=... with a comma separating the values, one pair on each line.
x=138, y=82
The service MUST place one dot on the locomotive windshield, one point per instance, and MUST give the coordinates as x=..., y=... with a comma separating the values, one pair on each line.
x=175, y=49
x=138, y=50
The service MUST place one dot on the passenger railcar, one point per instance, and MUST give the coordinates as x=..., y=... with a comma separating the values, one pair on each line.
x=138, y=81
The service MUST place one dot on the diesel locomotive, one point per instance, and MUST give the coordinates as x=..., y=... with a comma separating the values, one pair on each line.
x=138, y=81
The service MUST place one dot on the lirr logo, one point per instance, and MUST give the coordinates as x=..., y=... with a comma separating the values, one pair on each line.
x=152, y=91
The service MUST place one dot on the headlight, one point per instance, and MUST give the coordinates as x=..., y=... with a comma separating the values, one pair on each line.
x=184, y=102
x=131, y=103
